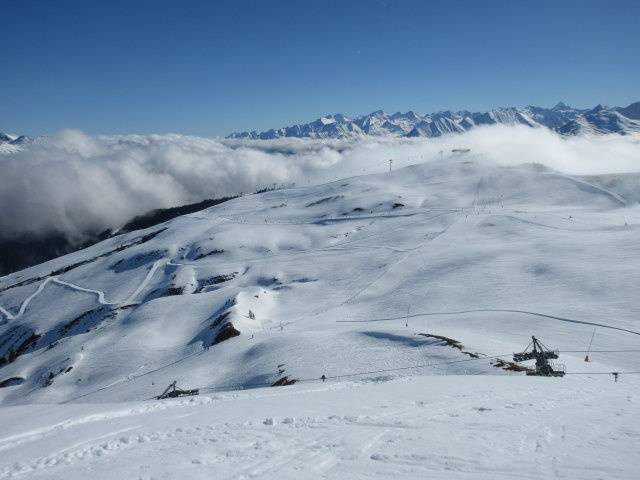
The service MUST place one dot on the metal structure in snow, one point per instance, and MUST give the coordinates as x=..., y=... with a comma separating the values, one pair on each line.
x=543, y=357
x=172, y=392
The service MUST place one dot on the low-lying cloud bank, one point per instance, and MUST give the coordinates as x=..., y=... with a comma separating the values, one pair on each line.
x=78, y=184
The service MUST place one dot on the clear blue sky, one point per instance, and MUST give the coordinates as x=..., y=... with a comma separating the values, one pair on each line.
x=210, y=68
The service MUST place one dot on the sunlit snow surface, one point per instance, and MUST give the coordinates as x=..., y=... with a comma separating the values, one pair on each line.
x=341, y=279
x=440, y=427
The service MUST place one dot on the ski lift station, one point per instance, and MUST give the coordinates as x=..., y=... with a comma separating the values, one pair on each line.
x=542, y=355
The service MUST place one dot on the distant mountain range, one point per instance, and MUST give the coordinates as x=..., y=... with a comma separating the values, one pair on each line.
x=561, y=118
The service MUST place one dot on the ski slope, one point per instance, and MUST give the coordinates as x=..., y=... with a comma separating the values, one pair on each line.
x=359, y=280
x=440, y=427
x=340, y=279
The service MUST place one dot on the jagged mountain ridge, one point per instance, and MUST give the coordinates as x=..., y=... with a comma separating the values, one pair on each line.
x=562, y=118
x=602, y=120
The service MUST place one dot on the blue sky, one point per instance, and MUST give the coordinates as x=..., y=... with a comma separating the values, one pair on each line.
x=210, y=68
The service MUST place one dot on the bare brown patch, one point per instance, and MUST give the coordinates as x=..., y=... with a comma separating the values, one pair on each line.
x=449, y=341
x=281, y=382
x=509, y=366
x=226, y=332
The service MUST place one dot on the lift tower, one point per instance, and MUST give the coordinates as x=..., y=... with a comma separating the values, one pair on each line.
x=543, y=356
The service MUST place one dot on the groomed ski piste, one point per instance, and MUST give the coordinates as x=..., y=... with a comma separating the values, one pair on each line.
x=408, y=291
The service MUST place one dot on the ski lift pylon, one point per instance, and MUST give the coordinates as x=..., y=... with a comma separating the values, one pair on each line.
x=543, y=357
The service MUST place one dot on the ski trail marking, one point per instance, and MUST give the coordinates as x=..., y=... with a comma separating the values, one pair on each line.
x=41, y=287
x=100, y=293
x=146, y=280
x=26, y=302
x=6, y=313
x=23, y=307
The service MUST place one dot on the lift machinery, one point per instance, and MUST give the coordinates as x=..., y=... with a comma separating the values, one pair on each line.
x=172, y=392
x=543, y=357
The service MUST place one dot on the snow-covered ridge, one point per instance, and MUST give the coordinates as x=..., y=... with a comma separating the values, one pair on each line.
x=602, y=120
x=411, y=124
x=11, y=143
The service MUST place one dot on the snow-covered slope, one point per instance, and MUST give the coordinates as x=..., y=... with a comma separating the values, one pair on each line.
x=632, y=111
x=406, y=290
x=438, y=427
x=334, y=279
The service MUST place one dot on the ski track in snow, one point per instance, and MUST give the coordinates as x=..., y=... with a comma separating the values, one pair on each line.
x=322, y=221
x=157, y=264
x=6, y=313
x=335, y=248
x=423, y=428
x=28, y=300
x=614, y=196
x=99, y=293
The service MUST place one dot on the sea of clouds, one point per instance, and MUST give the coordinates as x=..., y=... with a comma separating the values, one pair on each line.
x=77, y=184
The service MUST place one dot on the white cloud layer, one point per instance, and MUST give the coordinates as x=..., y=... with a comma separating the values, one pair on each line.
x=74, y=183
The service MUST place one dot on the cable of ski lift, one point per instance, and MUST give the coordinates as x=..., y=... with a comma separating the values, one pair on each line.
x=357, y=374
x=323, y=378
